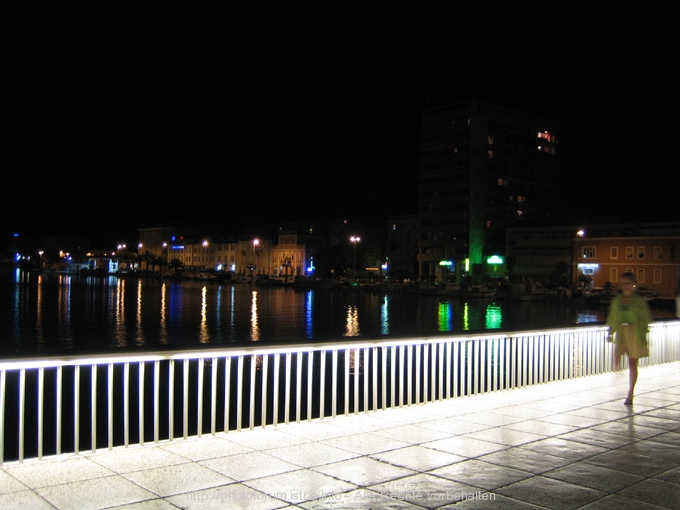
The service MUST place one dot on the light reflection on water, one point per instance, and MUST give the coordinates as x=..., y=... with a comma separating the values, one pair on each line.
x=49, y=312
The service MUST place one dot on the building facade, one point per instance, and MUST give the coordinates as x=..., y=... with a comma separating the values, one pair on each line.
x=592, y=255
x=655, y=262
x=483, y=168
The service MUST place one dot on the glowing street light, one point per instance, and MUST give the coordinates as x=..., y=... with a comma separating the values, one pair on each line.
x=354, y=240
x=256, y=241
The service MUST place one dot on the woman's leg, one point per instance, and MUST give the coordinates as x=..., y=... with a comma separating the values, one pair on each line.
x=632, y=379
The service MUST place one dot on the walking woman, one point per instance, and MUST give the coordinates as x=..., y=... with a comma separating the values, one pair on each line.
x=628, y=320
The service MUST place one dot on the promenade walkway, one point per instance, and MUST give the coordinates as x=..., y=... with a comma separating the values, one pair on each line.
x=563, y=445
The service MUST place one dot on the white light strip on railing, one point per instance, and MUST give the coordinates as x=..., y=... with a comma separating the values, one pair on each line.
x=93, y=407
x=41, y=407
x=76, y=410
x=3, y=377
x=109, y=390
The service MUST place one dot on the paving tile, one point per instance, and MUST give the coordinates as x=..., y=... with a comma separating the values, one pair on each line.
x=523, y=411
x=232, y=497
x=669, y=438
x=249, y=465
x=656, y=492
x=630, y=462
x=616, y=502
x=366, y=444
x=261, y=439
x=572, y=420
x=454, y=426
x=10, y=483
x=652, y=421
x=418, y=458
x=525, y=460
x=465, y=446
x=595, y=477
x=599, y=438
x=196, y=449
x=300, y=486
x=153, y=504
x=600, y=414
x=365, y=422
x=668, y=414
x=363, y=471
x=627, y=427
x=311, y=454
x=95, y=494
x=481, y=474
x=651, y=448
x=671, y=476
x=506, y=436
x=412, y=434
x=491, y=418
x=550, y=493
x=492, y=501
x=559, y=447
x=554, y=406
x=24, y=499
x=137, y=458
x=177, y=479
x=58, y=471
x=426, y=490
x=359, y=499
x=541, y=428
x=315, y=431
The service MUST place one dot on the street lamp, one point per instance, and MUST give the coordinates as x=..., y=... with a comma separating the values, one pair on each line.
x=256, y=241
x=354, y=240
x=579, y=234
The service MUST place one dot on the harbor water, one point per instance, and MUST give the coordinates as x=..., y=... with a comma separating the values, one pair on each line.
x=48, y=313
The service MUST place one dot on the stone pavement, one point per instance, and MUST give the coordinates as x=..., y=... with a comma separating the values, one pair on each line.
x=563, y=445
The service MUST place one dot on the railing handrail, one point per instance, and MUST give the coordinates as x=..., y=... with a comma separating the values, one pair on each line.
x=259, y=349
x=231, y=388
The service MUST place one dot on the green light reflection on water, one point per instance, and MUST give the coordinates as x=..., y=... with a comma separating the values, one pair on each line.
x=445, y=317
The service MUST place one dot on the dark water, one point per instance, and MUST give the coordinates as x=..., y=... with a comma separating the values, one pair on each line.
x=54, y=313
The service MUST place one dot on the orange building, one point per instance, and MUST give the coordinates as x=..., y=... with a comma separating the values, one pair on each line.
x=655, y=261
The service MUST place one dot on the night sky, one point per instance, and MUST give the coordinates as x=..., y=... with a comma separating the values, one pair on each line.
x=121, y=118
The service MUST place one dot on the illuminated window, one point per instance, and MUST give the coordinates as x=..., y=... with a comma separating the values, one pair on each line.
x=521, y=199
x=657, y=276
x=641, y=276
x=614, y=253
x=641, y=252
x=545, y=135
x=613, y=275
x=490, y=139
x=490, y=154
x=629, y=252
x=547, y=149
x=588, y=252
x=503, y=182
x=657, y=252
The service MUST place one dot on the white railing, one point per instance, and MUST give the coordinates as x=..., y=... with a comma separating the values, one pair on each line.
x=54, y=406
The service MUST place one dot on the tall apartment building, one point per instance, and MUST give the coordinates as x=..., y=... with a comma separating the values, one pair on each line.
x=483, y=168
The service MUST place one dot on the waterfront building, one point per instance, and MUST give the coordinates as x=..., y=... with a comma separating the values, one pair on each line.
x=483, y=168
x=655, y=262
x=402, y=245
x=594, y=254
x=155, y=239
x=296, y=253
